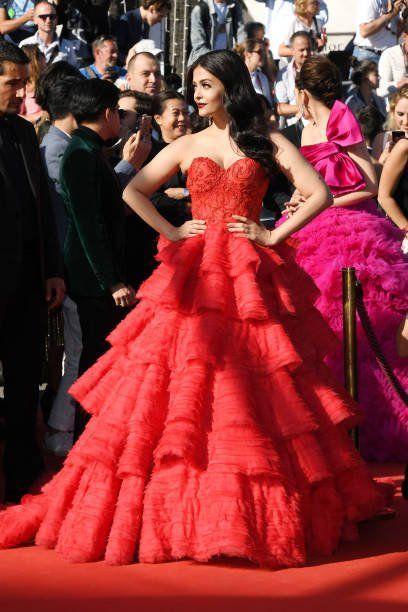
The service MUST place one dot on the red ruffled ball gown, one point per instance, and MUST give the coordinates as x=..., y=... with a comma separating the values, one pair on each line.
x=361, y=237
x=216, y=429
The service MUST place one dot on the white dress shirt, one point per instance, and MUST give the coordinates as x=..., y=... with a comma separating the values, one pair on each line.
x=369, y=10
x=59, y=49
x=261, y=84
x=285, y=88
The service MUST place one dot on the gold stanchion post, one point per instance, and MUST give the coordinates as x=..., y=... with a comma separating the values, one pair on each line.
x=350, y=336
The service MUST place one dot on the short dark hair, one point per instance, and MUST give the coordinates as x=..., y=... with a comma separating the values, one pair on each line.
x=158, y=4
x=160, y=99
x=50, y=4
x=52, y=75
x=143, y=101
x=91, y=97
x=11, y=53
x=136, y=55
x=252, y=27
x=59, y=99
x=300, y=34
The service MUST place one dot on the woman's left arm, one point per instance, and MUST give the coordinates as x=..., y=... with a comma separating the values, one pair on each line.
x=306, y=180
x=360, y=156
x=390, y=177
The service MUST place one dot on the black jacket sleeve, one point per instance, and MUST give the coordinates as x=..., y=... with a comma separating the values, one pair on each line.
x=53, y=265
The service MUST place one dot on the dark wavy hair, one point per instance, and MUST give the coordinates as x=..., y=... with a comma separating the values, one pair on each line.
x=248, y=127
x=52, y=75
x=321, y=78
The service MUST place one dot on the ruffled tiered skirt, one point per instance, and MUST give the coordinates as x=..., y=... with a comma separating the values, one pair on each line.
x=216, y=429
x=360, y=237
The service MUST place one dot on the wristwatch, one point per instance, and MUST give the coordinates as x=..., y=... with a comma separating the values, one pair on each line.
x=186, y=192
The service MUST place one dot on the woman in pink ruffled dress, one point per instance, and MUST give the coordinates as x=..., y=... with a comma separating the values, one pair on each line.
x=353, y=233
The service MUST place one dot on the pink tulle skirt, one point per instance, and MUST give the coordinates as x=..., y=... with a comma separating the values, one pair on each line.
x=360, y=237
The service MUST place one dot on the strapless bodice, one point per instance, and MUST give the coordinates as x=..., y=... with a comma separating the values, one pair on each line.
x=218, y=193
x=338, y=170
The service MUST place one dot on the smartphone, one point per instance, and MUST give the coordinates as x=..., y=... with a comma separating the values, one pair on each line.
x=146, y=124
x=112, y=72
x=397, y=135
x=143, y=123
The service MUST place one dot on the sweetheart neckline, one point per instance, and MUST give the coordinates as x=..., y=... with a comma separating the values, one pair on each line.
x=240, y=159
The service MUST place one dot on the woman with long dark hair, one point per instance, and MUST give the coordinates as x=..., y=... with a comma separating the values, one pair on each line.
x=217, y=430
x=353, y=233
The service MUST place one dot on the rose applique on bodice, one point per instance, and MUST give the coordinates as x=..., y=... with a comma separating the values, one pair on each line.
x=218, y=193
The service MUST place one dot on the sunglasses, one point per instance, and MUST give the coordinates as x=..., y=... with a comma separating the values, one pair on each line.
x=50, y=16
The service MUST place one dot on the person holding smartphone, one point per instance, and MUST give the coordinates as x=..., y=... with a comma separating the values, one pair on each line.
x=105, y=53
x=393, y=188
x=397, y=122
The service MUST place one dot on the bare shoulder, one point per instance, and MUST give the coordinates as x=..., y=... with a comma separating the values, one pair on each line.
x=187, y=144
x=183, y=143
x=286, y=153
x=401, y=147
x=281, y=143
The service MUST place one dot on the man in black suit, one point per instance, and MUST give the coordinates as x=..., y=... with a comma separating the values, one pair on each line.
x=30, y=273
x=94, y=249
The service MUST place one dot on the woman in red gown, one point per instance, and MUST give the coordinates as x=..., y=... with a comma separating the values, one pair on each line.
x=216, y=428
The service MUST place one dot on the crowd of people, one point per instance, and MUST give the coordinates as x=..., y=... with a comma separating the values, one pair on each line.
x=89, y=123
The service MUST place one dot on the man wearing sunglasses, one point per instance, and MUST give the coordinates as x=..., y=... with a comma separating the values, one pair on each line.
x=48, y=41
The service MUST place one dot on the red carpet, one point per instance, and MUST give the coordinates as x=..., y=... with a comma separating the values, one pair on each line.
x=367, y=576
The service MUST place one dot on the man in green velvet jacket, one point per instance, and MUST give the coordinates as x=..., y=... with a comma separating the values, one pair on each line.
x=94, y=250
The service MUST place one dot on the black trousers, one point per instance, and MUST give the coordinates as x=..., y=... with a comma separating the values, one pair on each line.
x=97, y=317
x=22, y=335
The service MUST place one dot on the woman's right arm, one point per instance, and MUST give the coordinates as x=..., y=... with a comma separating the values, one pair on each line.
x=390, y=177
x=9, y=25
x=306, y=180
x=148, y=180
x=285, y=51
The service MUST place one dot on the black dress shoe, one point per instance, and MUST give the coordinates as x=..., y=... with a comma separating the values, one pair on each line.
x=46, y=402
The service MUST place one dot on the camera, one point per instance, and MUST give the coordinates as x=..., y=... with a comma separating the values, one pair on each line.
x=403, y=11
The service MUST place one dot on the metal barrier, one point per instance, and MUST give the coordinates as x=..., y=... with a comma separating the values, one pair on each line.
x=350, y=337
x=353, y=304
